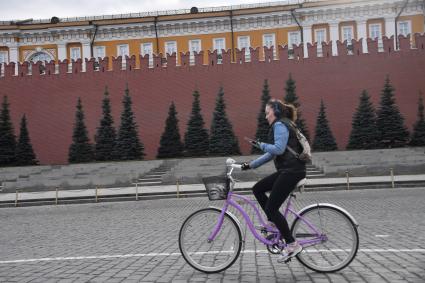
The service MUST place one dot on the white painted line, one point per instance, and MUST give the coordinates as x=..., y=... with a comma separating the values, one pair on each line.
x=312, y=250
x=382, y=236
x=87, y=257
x=152, y=176
x=210, y=252
x=392, y=250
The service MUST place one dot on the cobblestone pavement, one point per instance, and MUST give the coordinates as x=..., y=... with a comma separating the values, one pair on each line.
x=137, y=242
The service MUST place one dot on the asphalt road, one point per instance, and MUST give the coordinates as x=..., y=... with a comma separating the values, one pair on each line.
x=137, y=242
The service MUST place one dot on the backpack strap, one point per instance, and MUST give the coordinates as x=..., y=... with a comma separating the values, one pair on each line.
x=295, y=128
x=293, y=151
x=292, y=124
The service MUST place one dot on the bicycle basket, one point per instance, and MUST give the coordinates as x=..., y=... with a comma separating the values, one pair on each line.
x=217, y=187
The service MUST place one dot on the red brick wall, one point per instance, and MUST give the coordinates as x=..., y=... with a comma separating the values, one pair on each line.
x=49, y=100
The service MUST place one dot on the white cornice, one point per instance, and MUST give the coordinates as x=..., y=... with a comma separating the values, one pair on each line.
x=366, y=6
x=348, y=14
x=354, y=11
x=7, y=41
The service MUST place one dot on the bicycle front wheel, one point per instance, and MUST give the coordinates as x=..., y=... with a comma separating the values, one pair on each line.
x=210, y=256
x=335, y=243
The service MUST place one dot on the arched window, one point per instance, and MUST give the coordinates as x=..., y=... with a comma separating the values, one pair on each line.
x=39, y=56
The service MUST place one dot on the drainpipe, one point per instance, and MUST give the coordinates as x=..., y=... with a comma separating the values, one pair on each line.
x=296, y=20
x=396, y=19
x=231, y=30
x=93, y=38
x=156, y=34
x=423, y=11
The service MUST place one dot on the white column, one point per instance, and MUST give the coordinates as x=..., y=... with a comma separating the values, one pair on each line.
x=86, y=53
x=86, y=50
x=362, y=33
x=306, y=38
x=334, y=37
x=61, y=51
x=14, y=56
x=390, y=28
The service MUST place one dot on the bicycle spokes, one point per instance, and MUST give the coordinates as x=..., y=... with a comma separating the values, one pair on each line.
x=209, y=255
x=332, y=247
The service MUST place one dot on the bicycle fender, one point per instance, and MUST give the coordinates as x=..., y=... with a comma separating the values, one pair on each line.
x=231, y=215
x=332, y=206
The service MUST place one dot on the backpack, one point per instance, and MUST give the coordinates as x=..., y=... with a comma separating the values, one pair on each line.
x=305, y=155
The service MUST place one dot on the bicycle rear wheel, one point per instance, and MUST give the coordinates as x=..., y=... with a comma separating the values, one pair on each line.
x=214, y=256
x=336, y=244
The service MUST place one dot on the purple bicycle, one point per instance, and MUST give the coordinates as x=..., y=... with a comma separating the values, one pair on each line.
x=210, y=239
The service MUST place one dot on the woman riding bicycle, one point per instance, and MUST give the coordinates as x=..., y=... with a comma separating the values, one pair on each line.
x=290, y=170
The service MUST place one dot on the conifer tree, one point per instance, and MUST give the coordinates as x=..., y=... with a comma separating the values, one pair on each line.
x=222, y=138
x=262, y=123
x=170, y=144
x=106, y=135
x=363, y=132
x=418, y=135
x=7, y=136
x=80, y=150
x=323, y=139
x=292, y=98
x=24, y=152
x=196, y=140
x=390, y=123
x=128, y=145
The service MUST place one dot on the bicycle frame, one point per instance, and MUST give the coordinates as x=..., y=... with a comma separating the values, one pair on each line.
x=226, y=238
x=231, y=202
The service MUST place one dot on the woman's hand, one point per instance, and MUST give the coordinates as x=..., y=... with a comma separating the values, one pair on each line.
x=245, y=166
x=256, y=143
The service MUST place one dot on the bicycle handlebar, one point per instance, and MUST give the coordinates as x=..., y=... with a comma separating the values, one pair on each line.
x=237, y=166
x=232, y=164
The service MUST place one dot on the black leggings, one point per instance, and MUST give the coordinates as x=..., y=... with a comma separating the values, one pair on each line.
x=281, y=184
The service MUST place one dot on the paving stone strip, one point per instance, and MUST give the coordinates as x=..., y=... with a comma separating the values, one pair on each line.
x=137, y=242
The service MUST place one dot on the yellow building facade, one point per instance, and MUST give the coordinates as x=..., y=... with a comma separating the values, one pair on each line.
x=208, y=29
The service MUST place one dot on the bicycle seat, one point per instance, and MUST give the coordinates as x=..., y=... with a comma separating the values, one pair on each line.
x=301, y=183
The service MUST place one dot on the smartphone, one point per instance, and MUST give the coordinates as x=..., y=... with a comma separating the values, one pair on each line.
x=252, y=142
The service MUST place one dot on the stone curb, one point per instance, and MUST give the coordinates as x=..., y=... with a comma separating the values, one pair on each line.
x=193, y=190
